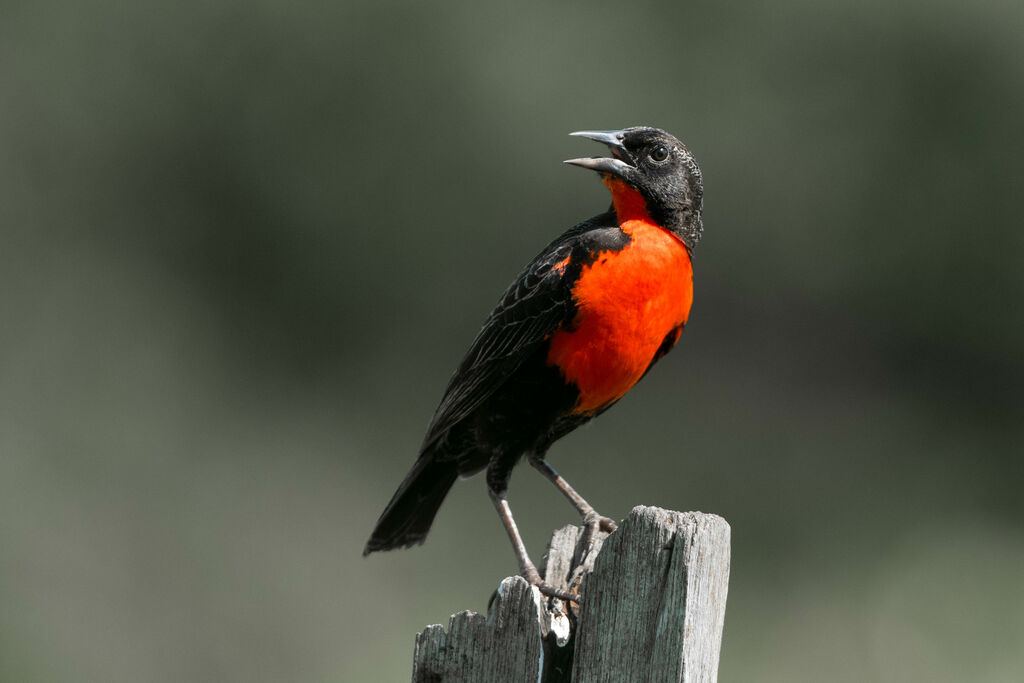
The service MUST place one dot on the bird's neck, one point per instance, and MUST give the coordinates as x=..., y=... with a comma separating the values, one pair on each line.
x=629, y=204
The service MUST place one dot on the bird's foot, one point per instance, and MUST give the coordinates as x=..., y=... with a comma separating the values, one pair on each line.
x=593, y=525
x=532, y=576
x=595, y=522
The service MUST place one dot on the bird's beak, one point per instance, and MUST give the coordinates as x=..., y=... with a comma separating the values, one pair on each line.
x=617, y=165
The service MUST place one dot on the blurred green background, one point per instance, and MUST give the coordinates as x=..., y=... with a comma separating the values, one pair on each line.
x=244, y=244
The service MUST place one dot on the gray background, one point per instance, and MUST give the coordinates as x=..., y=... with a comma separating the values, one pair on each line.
x=245, y=243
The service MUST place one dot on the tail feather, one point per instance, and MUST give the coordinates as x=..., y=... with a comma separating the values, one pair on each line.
x=407, y=518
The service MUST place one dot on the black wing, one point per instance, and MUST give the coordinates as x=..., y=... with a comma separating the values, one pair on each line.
x=537, y=303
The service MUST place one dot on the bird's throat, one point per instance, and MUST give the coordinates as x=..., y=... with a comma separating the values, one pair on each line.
x=629, y=204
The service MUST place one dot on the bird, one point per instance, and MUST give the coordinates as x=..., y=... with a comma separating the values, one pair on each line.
x=581, y=324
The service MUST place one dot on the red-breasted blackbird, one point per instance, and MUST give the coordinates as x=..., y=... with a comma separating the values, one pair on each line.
x=579, y=326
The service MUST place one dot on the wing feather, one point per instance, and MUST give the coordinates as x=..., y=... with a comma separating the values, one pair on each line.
x=534, y=306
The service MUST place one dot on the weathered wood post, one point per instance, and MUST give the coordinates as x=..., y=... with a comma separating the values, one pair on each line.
x=652, y=608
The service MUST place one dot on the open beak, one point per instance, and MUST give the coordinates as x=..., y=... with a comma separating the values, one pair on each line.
x=617, y=165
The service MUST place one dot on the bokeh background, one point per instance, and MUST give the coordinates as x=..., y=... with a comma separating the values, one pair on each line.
x=243, y=245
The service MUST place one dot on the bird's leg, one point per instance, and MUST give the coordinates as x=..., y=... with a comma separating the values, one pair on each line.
x=591, y=518
x=526, y=568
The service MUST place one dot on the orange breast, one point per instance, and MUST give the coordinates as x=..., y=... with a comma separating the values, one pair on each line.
x=627, y=302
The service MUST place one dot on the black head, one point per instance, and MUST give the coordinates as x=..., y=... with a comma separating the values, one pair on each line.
x=661, y=168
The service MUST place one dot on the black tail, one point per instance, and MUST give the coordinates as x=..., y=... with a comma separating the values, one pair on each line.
x=407, y=518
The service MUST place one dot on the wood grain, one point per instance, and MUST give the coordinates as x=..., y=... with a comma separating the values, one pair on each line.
x=652, y=608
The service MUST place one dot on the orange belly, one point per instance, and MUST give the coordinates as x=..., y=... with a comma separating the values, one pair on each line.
x=627, y=302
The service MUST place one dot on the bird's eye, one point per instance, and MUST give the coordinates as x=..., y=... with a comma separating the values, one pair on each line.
x=659, y=153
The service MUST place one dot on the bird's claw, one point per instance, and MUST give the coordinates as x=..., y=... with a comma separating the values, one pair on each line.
x=595, y=522
x=533, y=578
x=552, y=592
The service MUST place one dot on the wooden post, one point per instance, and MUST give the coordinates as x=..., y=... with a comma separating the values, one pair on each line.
x=652, y=608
